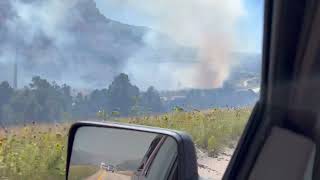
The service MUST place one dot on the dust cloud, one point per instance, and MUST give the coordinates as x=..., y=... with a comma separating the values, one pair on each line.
x=206, y=25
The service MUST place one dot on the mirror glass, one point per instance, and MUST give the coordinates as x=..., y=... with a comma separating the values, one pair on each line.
x=120, y=154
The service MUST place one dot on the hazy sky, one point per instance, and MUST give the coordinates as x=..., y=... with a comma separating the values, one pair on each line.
x=215, y=29
x=248, y=28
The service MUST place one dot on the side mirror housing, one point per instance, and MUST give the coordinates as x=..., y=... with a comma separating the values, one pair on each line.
x=129, y=152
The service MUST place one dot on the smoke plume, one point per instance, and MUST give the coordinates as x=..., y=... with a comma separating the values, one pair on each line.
x=65, y=41
x=206, y=25
x=187, y=43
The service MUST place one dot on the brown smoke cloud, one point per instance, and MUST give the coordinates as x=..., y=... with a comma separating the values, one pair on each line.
x=214, y=61
x=206, y=25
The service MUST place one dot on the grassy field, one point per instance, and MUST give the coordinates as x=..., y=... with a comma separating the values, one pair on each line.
x=211, y=130
x=33, y=152
x=39, y=151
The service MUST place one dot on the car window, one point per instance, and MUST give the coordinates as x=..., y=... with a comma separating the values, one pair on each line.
x=165, y=158
x=187, y=65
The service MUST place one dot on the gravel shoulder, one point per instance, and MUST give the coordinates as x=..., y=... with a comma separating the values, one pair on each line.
x=213, y=168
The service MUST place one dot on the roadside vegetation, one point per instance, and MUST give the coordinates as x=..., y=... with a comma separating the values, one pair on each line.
x=33, y=152
x=47, y=102
x=39, y=151
x=211, y=130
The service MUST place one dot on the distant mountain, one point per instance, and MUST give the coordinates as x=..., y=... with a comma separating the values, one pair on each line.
x=247, y=62
x=86, y=49
x=93, y=50
x=206, y=99
x=241, y=89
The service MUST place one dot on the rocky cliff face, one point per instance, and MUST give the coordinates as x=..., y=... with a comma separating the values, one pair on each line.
x=83, y=44
x=70, y=41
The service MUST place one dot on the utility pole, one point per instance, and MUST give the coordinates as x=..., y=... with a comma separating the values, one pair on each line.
x=15, y=75
x=15, y=68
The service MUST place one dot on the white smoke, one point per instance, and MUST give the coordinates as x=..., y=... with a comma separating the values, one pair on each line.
x=34, y=33
x=40, y=35
x=207, y=25
x=48, y=17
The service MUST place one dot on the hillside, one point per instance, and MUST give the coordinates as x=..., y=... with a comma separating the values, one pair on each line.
x=86, y=45
x=79, y=46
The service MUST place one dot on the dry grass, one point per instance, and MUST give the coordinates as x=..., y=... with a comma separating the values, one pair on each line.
x=39, y=151
x=211, y=130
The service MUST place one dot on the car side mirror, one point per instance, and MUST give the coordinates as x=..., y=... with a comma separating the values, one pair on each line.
x=129, y=152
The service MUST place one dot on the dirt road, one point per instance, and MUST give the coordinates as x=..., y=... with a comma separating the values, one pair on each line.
x=104, y=175
x=212, y=168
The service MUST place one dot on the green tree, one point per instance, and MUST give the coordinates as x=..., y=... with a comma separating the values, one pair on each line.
x=122, y=94
x=41, y=101
x=98, y=100
x=15, y=110
x=151, y=101
x=80, y=107
x=6, y=92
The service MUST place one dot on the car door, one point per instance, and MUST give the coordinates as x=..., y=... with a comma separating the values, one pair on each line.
x=288, y=99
